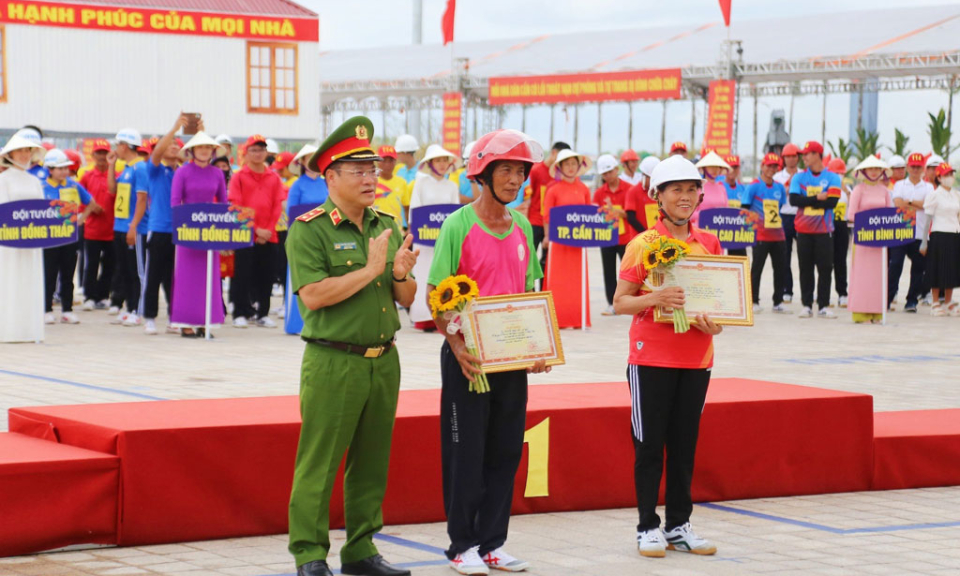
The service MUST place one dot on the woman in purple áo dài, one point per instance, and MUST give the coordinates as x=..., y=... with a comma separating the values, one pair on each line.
x=197, y=181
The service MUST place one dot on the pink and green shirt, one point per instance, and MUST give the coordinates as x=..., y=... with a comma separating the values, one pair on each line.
x=499, y=263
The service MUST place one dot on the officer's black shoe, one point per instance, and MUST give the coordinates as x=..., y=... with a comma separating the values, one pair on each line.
x=372, y=566
x=315, y=568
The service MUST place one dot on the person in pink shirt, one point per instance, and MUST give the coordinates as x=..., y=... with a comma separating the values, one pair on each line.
x=713, y=168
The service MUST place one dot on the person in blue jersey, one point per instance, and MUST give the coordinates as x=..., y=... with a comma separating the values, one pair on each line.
x=61, y=261
x=310, y=188
x=766, y=197
x=815, y=192
x=155, y=192
x=129, y=247
x=736, y=193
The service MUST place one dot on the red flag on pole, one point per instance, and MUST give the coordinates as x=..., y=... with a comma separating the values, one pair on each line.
x=725, y=8
x=446, y=25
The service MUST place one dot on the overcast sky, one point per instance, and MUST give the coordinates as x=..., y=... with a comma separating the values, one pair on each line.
x=389, y=23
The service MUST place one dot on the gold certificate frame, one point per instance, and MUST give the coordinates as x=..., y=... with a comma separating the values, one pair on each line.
x=718, y=286
x=513, y=331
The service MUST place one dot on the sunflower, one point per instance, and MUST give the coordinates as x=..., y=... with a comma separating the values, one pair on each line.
x=651, y=258
x=467, y=288
x=445, y=297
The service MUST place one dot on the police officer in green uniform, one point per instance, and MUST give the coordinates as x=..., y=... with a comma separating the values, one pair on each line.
x=349, y=265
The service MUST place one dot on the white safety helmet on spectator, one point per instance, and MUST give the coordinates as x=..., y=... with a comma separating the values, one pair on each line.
x=406, y=143
x=606, y=163
x=56, y=158
x=648, y=164
x=897, y=161
x=130, y=137
x=934, y=161
x=272, y=147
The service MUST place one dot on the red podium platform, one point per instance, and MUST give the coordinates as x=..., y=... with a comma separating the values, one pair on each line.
x=53, y=495
x=917, y=449
x=204, y=469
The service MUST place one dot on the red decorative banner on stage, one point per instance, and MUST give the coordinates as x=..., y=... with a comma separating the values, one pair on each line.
x=719, y=135
x=634, y=85
x=452, y=121
x=125, y=19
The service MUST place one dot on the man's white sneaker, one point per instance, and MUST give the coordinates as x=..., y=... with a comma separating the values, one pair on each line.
x=89, y=305
x=281, y=313
x=807, y=313
x=150, y=327
x=469, y=562
x=499, y=560
x=69, y=318
x=266, y=322
x=757, y=308
x=683, y=539
x=788, y=298
x=781, y=309
x=114, y=310
x=651, y=543
x=102, y=305
x=49, y=318
x=608, y=312
x=132, y=320
x=827, y=313
x=240, y=322
x=843, y=301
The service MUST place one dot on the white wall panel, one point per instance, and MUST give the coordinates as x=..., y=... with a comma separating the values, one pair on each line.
x=90, y=81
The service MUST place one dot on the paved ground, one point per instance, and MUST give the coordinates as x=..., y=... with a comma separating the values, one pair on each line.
x=908, y=364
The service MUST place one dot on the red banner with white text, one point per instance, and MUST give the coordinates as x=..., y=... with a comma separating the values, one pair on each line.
x=125, y=19
x=599, y=87
x=452, y=121
x=721, y=99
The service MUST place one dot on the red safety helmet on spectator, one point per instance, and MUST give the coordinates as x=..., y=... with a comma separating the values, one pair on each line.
x=75, y=157
x=628, y=155
x=790, y=150
x=837, y=166
x=504, y=144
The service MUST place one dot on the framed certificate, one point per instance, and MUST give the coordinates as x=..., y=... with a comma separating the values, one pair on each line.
x=514, y=331
x=718, y=286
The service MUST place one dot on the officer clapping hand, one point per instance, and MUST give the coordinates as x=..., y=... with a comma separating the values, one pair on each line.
x=405, y=259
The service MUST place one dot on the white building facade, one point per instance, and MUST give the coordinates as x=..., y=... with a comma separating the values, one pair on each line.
x=77, y=68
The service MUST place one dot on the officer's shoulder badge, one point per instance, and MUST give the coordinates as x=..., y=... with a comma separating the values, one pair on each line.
x=382, y=213
x=308, y=216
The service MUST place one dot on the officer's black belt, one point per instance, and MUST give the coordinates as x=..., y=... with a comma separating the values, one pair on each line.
x=374, y=352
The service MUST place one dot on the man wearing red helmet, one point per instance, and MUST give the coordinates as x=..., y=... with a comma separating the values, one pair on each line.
x=909, y=194
x=630, y=162
x=98, y=232
x=493, y=245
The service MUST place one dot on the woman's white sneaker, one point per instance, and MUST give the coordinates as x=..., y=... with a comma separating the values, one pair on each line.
x=684, y=539
x=651, y=543
x=499, y=560
x=469, y=562
x=49, y=318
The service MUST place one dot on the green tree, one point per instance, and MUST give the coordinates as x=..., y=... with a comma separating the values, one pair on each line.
x=842, y=149
x=939, y=133
x=900, y=141
x=865, y=143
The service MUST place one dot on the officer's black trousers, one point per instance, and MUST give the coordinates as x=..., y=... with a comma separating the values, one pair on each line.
x=252, y=283
x=160, y=255
x=59, y=262
x=481, y=440
x=665, y=408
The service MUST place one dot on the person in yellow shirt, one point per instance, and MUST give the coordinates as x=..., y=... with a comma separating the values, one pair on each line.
x=391, y=188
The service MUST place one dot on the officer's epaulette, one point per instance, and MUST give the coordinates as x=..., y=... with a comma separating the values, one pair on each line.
x=308, y=216
x=382, y=213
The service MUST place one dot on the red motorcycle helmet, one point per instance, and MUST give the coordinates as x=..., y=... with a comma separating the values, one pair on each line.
x=75, y=157
x=504, y=144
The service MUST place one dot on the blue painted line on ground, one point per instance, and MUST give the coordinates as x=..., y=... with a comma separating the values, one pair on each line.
x=399, y=565
x=830, y=529
x=82, y=385
x=873, y=359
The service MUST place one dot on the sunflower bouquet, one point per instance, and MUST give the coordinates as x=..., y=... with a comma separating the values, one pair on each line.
x=659, y=256
x=450, y=298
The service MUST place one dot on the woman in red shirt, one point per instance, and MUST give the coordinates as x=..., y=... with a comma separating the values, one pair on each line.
x=565, y=269
x=668, y=373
